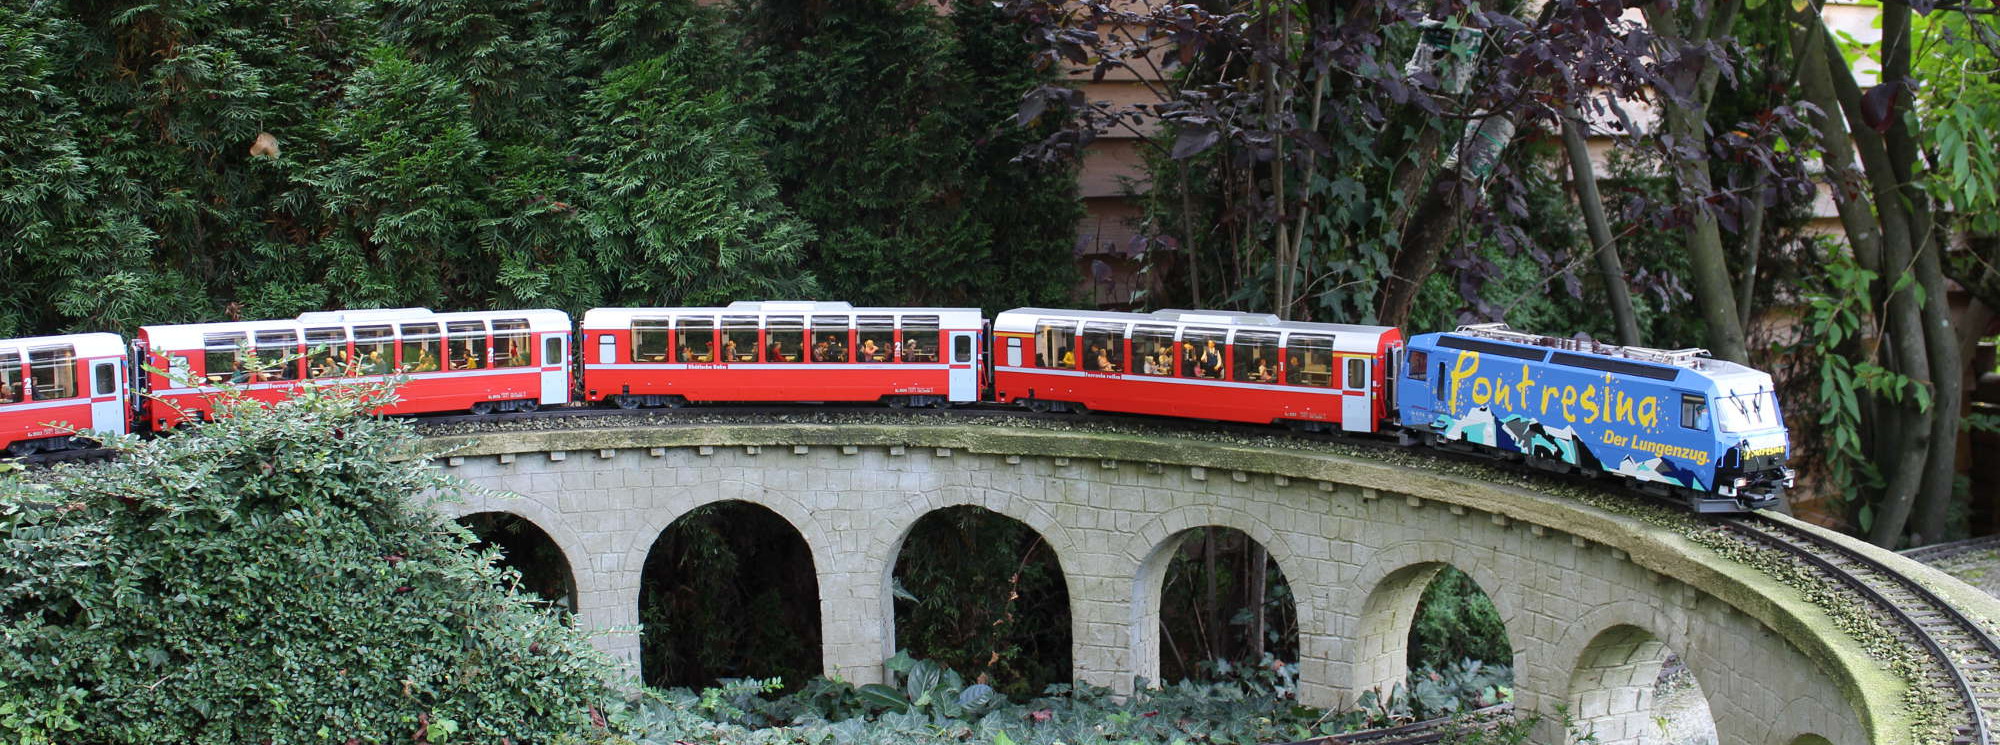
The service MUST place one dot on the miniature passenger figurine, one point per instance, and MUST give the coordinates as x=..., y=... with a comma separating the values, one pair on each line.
x=425, y=362
x=1263, y=372
x=1104, y=361
x=870, y=351
x=775, y=352
x=821, y=350
x=1211, y=360
x=238, y=374
x=910, y=350
x=8, y=392
x=1069, y=360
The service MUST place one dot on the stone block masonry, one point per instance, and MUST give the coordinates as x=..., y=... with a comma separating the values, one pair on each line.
x=1592, y=600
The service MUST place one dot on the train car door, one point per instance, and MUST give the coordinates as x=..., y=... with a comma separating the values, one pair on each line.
x=1355, y=413
x=555, y=370
x=107, y=405
x=964, y=382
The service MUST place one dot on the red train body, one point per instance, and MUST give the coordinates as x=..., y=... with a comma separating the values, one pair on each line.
x=1238, y=367
x=49, y=384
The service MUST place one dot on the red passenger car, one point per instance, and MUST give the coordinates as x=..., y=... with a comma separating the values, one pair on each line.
x=76, y=380
x=1239, y=367
x=781, y=351
x=510, y=360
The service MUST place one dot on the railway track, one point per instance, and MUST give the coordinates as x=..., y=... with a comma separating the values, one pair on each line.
x=1418, y=733
x=1965, y=657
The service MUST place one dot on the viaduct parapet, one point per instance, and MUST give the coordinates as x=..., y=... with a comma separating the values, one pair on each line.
x=1593, y=600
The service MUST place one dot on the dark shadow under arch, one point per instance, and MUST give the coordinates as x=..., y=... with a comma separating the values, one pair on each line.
x=984, y=594
x=729, y=590
x=527, y=549
x=1226, y=608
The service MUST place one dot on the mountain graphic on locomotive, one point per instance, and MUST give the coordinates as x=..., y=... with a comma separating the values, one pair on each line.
x=1703, y=430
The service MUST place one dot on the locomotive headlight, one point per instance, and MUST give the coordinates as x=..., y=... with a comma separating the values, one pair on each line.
x=1742, y=482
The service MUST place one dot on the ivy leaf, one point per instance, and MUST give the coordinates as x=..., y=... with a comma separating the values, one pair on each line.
x=1194, y=140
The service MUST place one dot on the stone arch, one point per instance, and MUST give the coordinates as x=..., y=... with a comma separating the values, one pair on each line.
x=894, y=529
x=1393, y=581
x=766, y=571
x=1151, y=548
x=1611, y=687
x=595, y=599
x=657, y=520
x=1810, y=739
x=568, y=564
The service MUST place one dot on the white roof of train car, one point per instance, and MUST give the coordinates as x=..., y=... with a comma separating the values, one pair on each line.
x=606, y=318
x=189, y=335
x=91, y=345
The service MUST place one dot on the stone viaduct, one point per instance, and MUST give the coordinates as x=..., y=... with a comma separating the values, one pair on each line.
x=1593, y=600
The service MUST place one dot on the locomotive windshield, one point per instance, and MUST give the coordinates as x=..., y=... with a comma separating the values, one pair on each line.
x=1748, y=412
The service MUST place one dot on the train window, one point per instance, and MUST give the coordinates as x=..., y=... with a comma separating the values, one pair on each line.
x=222, y=357
x=697, y=337
x=1153, y=346
x=277, y=356
x=512, y=344
x=107, y=378
x=374, y=350
x=1104, y=347
x=649, y=340
x=422, y=348
x=920, y=338
x=1417, y=365
x=1256, y=358
x=1055, y=344
x=1694, y=412
x=739, y=339
x=552, y=353
x=466, y=343
x=1201, y=351
x=326, y=353
x=874, y=338
x=52, y=371
x=829, y=334
x=10, y=377
x=961, y=348
x=1309, y=361
x=1357, y=373
x=784, y=339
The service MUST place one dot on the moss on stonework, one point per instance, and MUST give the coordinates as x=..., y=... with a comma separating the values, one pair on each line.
x=1799, y=607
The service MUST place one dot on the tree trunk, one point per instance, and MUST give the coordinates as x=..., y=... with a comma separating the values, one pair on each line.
x=1906, y=455
x=1437, y=220
x=1686, y=122
x=1583, y=178
x=1947, y=365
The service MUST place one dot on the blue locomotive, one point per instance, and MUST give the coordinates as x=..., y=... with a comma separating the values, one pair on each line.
x=1672, y=422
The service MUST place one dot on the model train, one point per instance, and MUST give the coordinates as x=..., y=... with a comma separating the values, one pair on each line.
x=1706, y=430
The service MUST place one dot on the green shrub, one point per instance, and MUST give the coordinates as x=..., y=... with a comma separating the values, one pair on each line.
x=272, y=577
x=1457, y=621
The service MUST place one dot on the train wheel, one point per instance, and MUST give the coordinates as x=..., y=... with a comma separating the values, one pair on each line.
x=527, y=406
x=482, y=408
x=24, y=448
x=1037, y=405
x=675, y=402
x=626, y=402
x=895, y=402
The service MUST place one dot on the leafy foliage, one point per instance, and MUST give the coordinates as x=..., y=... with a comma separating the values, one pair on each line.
x=257, y=159
x=982, y=592
x=1456, y=621
x=273, y=575
x=890, y=134
x=728, y=591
